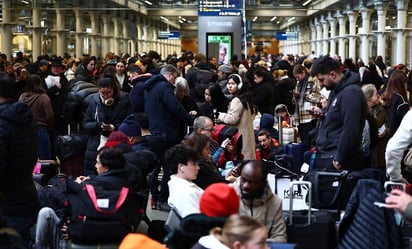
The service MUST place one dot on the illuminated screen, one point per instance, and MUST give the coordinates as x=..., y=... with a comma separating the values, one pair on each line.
x=220, y=45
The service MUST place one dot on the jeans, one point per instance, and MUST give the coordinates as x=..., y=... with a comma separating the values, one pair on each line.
x=48, y=229
x=44, y=144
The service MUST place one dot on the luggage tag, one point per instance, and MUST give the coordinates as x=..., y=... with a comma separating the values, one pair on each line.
x=103, y=203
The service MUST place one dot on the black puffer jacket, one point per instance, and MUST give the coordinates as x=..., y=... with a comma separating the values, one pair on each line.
x=78, y=100
x=96, y=114
x=18, y=155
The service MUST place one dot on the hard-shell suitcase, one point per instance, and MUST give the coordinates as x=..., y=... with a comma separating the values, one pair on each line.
x=296, y=150
x=311, y=230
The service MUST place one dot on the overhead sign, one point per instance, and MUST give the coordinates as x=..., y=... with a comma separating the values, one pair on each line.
x=168, y=35
x=290, y=36
x=219, y=8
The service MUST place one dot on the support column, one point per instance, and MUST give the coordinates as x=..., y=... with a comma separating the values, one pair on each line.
x=352, y=34
x=325, y=36
x=145, y=39
x=401, y=7
x=59, y=30
x=125, y=36
x=364, y=34
x=115, y=40
x=79, y=32
x=36, y=35
x=6, y=36
x=380, y=35
x=342, y=33
x=318, y=37
x=312, y=37
x=95, y=33
x=332, y=24
x=106, y=36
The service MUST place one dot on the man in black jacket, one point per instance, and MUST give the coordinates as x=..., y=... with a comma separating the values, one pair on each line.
x=18, y=155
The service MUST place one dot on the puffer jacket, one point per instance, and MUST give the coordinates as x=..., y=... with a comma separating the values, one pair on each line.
x=267, y=209
x=18, y=155
x=96, y=114
x=78, y=99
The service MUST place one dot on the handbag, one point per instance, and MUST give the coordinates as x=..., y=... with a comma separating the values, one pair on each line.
x=332, y=189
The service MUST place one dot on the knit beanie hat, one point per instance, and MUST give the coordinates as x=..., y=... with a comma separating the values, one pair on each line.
x=130, y=126
x=325, y=93
x=115, y=138
x=137, y=241
x=219, y=199
x=225, y=68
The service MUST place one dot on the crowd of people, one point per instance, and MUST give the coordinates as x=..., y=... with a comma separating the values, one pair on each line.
x=162, y=115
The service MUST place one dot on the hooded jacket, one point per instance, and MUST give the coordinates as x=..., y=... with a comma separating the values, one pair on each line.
x=164, y=111
x=340, y=130
x=137, y=92
x=18, y=155
x=41, y=108
x=267, y=209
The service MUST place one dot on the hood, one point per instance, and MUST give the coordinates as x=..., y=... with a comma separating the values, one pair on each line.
x=349, y=78
x=142, y=77
x=203, y=65
x=150, y=83
x=267, y=121
x=211, y=241
x=17, y=113
x=29, y=98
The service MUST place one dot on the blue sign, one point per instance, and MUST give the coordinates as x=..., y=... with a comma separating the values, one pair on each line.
x=290, y=36
x=168, y=35
x=219, y=8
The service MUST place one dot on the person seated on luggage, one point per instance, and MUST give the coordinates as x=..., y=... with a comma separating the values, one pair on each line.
x=184, y=194
x=401, y=202
x=267, y=122
x=282, y=111
x=257, y=199
x=208, y=172
x=111, y=175
x=267, y=146
x=239, y=231
x=217, y=202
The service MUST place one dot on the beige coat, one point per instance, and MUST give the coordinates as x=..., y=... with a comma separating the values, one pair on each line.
x=237, y=116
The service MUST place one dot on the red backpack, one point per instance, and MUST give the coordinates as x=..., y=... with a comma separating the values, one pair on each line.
x=225, y=131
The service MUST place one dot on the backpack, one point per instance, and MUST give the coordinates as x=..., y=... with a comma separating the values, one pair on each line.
x=225, y=131
x=98, y=215
x=203, y=78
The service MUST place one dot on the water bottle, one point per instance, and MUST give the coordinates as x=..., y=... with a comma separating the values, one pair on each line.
x=312, y=161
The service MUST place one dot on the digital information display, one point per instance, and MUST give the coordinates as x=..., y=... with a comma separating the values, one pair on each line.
x=219, y=8
x=225, y=45
x=168, y=35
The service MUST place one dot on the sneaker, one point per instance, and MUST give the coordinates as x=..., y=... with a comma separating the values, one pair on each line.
x=153, y=203
x=163, y=206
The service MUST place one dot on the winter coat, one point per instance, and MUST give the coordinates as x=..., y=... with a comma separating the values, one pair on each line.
x=208, y=174
x=285, y=87
x=364, y=224
x=41, y=108
x=164, y=111
x=267, y=209
x=137, y=92
x=395, y=110
x=267, y=122
x=242, y=119
x=78, y=99
x=264, y=96
x=96, y=114
x=340, y=132
x=57, y=95
x=18, y=155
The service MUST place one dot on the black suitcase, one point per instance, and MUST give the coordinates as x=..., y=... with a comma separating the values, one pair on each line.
x=310, y=229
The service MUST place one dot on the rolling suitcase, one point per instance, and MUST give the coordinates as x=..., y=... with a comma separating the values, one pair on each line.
x=296, y=150
x=311, y=230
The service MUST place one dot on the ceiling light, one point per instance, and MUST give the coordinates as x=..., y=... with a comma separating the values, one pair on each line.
x=306, y=3
x=164, y=18
x=148, y=2
x=25, y=2
x=291, y=19
x=254, y=18
x=181, y=21
x=273, y=18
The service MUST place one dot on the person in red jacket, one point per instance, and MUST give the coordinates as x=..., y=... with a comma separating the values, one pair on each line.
x=267, y=146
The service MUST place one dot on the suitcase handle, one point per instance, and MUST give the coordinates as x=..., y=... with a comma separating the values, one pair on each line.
x=388, y=184
x=300, y=183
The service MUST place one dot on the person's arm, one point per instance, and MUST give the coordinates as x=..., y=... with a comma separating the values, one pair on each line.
x=401, y=202
x=396, y=147
x=234, y=113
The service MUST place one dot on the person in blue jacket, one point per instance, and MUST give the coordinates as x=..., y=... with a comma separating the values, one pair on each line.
x=340, y=131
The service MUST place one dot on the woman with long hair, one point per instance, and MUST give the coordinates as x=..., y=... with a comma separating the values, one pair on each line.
x=395, y=99
x=214, y=100
x=240, y=114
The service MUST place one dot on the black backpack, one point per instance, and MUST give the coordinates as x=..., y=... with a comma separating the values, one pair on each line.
x=98, y=215
x=203, y=78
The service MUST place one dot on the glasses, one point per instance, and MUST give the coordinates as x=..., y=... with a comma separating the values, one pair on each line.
x=209, y=130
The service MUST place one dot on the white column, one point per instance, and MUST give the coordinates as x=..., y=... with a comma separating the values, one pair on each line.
x=145, y=36
x=79, y=32
x=319, y=50
x=115, y=41
x=106, y=36
x=325, y=36
x=332, y=24
x=125, y=36
x=342, y=34
x=60, y=49
x=94, y=17
x=6, y=37
x=312, y=37
x=37, y=32
x=380, y=35
x=352, y=34
x=401, y=7
x=364, y=34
